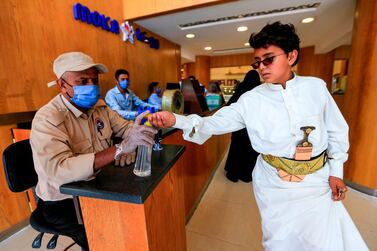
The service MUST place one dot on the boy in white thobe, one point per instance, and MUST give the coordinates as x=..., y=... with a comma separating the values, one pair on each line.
x=291, y=120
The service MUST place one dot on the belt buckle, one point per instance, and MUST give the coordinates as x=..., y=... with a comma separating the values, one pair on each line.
x=290, y=177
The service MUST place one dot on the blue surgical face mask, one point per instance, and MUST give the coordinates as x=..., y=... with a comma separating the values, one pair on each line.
x=124, y=84
x=158, y=90
x=85, y=96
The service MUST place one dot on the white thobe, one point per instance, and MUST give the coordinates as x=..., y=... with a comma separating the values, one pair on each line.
x=295, y=215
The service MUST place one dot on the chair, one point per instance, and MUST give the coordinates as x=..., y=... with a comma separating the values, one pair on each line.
x=18, y=135
x=20, y=175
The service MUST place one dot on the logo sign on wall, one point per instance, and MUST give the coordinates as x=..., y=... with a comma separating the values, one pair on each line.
x=128, y=32
x=142, y=36
x=83, y=14
x=95, y=18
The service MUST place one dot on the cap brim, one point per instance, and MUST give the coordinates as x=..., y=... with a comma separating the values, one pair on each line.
x=100, y=67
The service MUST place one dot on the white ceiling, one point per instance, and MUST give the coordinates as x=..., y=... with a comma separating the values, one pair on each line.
x=332, y=26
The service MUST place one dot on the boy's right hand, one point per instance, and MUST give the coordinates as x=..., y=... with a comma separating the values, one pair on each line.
x=162, y=119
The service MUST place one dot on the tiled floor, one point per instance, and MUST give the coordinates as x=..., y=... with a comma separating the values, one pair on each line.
x=227, y=219
x=22, y=240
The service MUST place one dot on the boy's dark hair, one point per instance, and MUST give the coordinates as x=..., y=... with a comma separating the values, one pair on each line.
x=120, y=71
x=151, y=86
x=278, y=34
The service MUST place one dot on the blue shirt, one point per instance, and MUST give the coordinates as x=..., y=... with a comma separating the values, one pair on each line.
x=155, y=100
x=125, y=105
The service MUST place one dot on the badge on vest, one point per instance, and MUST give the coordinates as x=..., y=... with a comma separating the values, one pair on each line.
x=304, y=148
x=100, y=125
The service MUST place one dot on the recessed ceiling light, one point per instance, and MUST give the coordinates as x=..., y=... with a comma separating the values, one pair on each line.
x=208, y=48
x=190, y=35
x=247, y=44
x=307, y=20
x=242, y=28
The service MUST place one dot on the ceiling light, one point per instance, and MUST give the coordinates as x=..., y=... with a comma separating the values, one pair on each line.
x=247, y=44
x=242, y=28
x=307, y=20
x=190, y=35
x=208, y=48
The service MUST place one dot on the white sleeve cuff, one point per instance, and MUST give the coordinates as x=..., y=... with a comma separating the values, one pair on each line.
x=336, y=168
x=181, y=122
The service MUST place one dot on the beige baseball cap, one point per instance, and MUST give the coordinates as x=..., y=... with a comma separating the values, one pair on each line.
x=74, y=61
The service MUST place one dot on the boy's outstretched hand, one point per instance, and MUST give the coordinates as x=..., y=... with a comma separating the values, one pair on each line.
x=162, y=119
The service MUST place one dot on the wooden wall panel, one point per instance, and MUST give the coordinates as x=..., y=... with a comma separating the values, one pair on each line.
x=317, y=65
x=202, y=69
x=361, y=96
x=34, y=33
x=324, y=69
x=143, y=8
x=343, y=52
x=14, y=207
x=188, y=70
x=158, y=224
x=232, y=60
x=307, y=63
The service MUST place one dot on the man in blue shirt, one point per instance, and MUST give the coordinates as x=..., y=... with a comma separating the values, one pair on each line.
x=123, y=100
x=155, y=97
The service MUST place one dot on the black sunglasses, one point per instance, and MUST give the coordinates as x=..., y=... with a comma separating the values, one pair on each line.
x=267, y=61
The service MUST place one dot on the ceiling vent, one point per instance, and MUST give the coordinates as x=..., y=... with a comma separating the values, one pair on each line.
x=251, y=16
x=232, y=50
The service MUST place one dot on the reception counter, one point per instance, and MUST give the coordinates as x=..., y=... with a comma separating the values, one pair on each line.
x=124, y=212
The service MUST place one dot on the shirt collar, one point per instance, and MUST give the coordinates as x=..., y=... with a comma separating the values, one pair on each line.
x=71, y=107
x=288, y=84
x=117, y=91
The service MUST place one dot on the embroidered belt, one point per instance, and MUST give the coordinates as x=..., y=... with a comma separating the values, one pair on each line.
x=297, y=167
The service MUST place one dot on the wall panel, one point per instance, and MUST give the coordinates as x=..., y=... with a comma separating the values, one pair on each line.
x=316, y=65
x=202, y=69
x=360, y=97
x=34, y=33
x=232, y=60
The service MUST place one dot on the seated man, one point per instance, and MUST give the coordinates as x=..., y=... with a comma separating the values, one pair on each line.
x=155, y=95
x=123, y=100
x=71, y=137
x=213, y=97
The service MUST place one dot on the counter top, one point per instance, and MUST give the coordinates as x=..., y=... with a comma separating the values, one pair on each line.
x=168, y=131
x=121, y=184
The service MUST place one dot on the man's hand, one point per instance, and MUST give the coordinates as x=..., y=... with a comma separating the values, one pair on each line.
x=162, y=119
x=125, y=159
x=338, y=188
x=138, y=135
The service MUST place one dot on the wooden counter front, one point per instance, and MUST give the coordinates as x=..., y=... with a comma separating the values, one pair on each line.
x=199, y=162
x=121, y=211
x=158, y=224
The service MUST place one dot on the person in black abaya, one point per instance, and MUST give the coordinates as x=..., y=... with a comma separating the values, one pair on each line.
x=242, y=157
